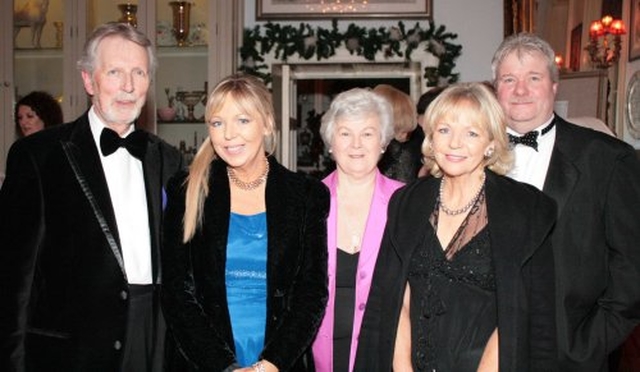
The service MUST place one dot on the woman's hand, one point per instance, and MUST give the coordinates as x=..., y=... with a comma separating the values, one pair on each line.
x=489, y=361
x=402, y=353
x=260, y=366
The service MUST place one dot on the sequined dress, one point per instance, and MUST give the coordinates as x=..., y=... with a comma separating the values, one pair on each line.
x=246, y=280
x=453, y=300
x=402, y=160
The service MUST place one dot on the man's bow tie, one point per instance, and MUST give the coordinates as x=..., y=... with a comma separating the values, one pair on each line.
x=530, y=138
x=135, y=143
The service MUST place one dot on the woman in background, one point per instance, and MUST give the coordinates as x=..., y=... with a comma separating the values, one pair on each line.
x=36, y=111
x=356, y=129
x=244, y=259
x=403, y=158
x=465, y=277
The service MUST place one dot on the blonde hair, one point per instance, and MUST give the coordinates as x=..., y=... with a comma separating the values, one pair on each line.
x=404, y=110
x=479, y=101
x=251, y=95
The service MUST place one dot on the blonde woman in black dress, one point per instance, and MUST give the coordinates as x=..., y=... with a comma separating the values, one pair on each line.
x=465, y=276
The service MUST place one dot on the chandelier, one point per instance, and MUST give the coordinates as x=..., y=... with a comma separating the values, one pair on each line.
x=605, y=41
x=337, y=6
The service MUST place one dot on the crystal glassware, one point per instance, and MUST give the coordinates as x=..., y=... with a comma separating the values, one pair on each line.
x=181, y=15
x=191, y=99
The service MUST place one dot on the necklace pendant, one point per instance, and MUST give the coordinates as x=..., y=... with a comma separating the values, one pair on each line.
x=355, y=242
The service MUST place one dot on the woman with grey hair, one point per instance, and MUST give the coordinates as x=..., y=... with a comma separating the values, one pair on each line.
x=356, y=129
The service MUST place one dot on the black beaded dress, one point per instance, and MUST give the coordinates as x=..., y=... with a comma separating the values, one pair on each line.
x=453, y=295
x=402, y=161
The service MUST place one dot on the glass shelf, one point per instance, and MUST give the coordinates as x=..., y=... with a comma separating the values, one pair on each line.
x=188, y=51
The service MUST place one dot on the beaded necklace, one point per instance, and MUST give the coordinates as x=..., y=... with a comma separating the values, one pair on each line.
x=465, y=208
x=251, y=185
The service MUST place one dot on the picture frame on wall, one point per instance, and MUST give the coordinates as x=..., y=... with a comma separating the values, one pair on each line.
x=323, y=9
x=634, y=34
x=576, y=48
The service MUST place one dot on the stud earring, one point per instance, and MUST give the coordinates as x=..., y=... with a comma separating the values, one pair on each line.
x=488, y=154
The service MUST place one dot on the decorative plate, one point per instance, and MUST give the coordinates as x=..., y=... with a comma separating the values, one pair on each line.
x=633, y=105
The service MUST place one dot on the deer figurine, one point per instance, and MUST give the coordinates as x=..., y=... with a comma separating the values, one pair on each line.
x=33, y=14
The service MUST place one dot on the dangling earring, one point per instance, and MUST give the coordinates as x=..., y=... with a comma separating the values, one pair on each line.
x=382, y=151
x=330, y=150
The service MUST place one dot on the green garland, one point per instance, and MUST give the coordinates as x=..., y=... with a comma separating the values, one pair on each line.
x=321, y=43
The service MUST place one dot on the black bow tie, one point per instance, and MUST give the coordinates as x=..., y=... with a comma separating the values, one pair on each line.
x=530, y=138
x=135, y=143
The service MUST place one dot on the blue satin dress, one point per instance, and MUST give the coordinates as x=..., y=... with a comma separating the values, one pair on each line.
x=246, y=279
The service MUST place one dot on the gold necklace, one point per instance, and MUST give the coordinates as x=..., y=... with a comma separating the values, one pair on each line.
x=251, y=185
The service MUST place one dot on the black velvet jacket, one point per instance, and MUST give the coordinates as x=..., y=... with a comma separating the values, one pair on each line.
x=194, y=294
x=63, y=288
x=520, y=223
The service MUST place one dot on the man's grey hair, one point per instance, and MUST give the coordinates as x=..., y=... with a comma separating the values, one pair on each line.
x=87, y=61
x=524, y=43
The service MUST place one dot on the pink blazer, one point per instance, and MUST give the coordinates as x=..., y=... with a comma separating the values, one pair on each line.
x=323, y=345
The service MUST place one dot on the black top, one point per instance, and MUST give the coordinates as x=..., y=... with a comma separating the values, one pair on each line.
x=521, y=218
x=402, y=160
x=346, y=268
x=454, y=302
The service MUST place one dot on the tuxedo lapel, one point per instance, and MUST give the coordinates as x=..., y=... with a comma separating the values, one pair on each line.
x=152, y=168
x=84, y=159
x=562, y=175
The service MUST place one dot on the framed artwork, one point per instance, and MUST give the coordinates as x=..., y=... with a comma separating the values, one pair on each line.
x=585, y=92
x=576, y=48
x=323, y=9
x=518, y=16
x=634, y=34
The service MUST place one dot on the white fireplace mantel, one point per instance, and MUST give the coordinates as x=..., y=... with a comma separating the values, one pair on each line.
x=343, y=65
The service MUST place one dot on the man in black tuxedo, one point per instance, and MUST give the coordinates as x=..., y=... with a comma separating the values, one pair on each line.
x=595, y=180
x=80, y=217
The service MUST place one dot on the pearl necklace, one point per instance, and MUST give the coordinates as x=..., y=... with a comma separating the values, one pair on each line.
x=251, y=185
x=464, y=209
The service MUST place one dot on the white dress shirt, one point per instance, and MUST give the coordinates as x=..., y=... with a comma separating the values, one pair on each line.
x=531, y=166
x=125, y=180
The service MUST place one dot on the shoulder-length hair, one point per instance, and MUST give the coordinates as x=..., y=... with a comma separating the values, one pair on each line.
x=252, y=96
x=480, y=103
x=44, y=105
x=404, y=110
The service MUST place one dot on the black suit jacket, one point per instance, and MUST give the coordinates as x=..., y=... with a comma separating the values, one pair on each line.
x=62, y=280
x=194, y=292
x=520, y=223
x=595, y=180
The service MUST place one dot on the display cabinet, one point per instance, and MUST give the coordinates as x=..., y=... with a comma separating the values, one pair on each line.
x=48, y=60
